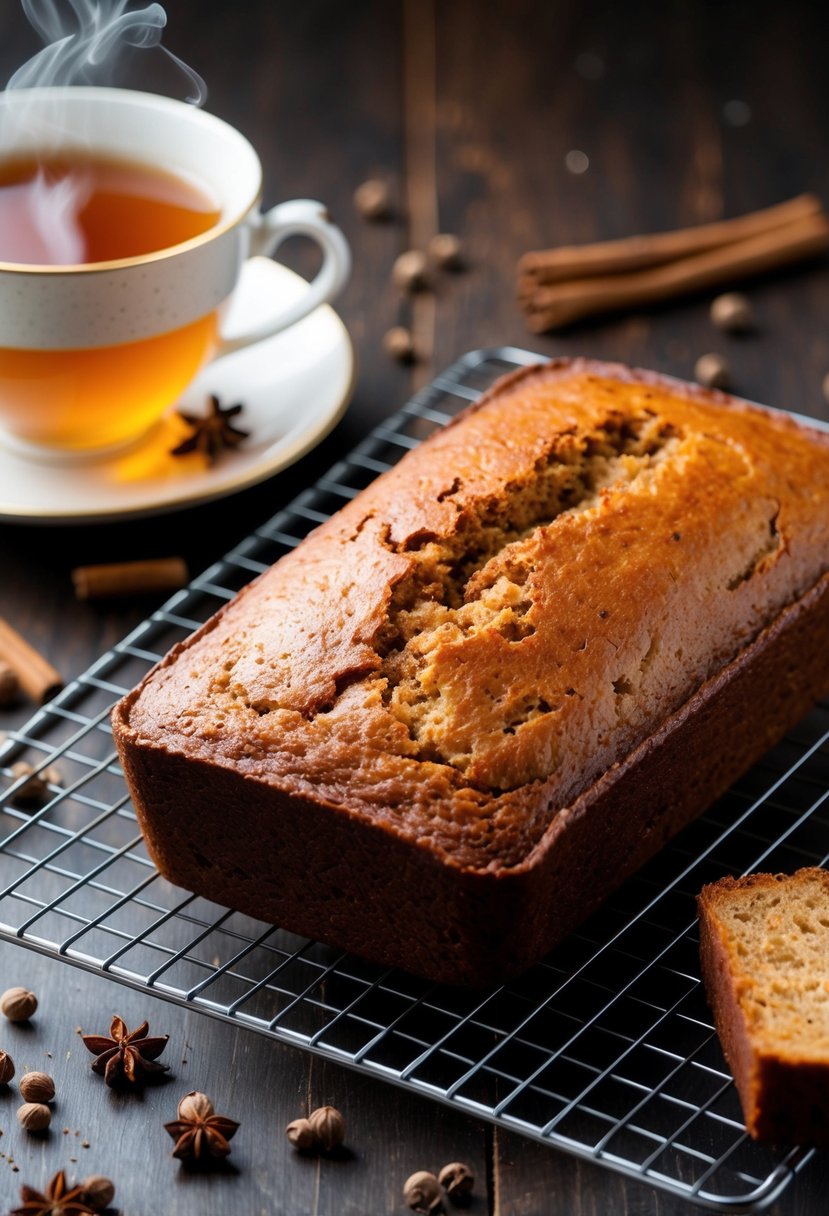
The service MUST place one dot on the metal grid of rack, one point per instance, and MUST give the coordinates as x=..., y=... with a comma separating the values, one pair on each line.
x=605, y=1050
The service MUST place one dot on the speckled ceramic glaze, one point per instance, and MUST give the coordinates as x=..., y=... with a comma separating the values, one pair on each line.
x=66, y=308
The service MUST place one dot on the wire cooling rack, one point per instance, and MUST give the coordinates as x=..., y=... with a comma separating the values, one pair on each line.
x=605, y=1049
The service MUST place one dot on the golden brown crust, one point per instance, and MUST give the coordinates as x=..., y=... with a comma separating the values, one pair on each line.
x=448, y=667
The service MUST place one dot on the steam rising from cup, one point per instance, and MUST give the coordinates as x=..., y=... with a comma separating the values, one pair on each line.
x=85, y=43
x=84, y=39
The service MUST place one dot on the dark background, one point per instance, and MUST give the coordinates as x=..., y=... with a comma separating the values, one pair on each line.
x=468, y=110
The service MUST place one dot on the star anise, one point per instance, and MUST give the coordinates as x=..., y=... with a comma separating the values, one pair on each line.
x=60, y=1200
x=212, y=432
x=125, y=1056
x=198, y=1132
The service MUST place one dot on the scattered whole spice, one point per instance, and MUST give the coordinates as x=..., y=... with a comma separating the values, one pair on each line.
x=826, y=387
x=458, y=1180
x=422, y=1192
x=18, y=1004
x=559, y=286
x=446, y=251
x=328, y=1126
x=35, y=790
x=97, y=1191
x=212, y=432
x=34, y=1116
x=38, y=678
x=200, y=1134
x=301, y=1134
x=9, y=684
x=713, y=371
x=114, y=580
x=37, y=1087
x=410, y=270
x=399, y=343
x=59, y=1200
x=195, y=1106
x=733, y=313
x=124, y=1056
x=6, y=1068
x=373, y=200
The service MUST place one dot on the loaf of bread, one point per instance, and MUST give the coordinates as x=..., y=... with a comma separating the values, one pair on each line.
x=441, y=730
x=764, y=946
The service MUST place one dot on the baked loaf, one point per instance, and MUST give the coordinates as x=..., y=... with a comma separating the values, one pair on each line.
x=442, y=729
x=764, y=942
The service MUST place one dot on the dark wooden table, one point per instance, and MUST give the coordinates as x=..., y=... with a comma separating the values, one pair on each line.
x=468, y=110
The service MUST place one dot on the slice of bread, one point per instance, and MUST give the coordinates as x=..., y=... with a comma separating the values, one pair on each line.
x=764, y=944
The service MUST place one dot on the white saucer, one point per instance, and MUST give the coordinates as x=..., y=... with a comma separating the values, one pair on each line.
x=294, y=388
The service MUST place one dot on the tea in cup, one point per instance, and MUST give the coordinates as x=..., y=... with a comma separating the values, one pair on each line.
x=125, y=220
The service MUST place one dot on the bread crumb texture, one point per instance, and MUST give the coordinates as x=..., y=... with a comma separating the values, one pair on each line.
x=486, y=629
x=775, y=931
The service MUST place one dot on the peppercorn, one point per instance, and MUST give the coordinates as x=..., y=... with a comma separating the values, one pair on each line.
x=422, y=1193
x=410, y=270
x=458, y=1180
x=6, y=1068
x=37, y=1087
x=446, y=251
x=328, y=1126
x=733, y=313
x=98, y=1191
x=713, y=371
x=18, y=1004
x=373, y=200
x=35, y=790
x=34, y=1116
x=398, y=343
x=301, y=1135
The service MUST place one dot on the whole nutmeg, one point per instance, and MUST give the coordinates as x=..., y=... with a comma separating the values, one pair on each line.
x=195, y=1106
x=97, y=1192
x=733, y=313
x=328, y=1126
x=713, y=371
x=373, y=200
x=6, y=1068
x=422, y=1192
x=34, y=1116
x=18, y=1004
x=446, y=251
x=399, y=343
x=410, y=270
x=9, y=685
x=37, y=1087
x=301, y=1134
x=36, y=790
x=458, y=1180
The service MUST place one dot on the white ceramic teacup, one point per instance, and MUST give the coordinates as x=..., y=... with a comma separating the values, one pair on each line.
x=92, y=354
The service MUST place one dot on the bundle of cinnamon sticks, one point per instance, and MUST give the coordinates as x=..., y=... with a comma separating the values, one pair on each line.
x=559, y=286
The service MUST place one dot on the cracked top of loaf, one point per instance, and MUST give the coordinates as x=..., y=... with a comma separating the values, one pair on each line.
x=480, y=634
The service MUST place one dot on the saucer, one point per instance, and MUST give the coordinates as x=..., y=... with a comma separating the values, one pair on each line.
x=294, y=387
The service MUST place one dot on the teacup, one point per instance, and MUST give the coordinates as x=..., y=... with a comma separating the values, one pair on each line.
x=92, y=352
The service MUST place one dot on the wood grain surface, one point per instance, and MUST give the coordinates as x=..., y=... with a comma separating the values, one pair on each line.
x=685, y=112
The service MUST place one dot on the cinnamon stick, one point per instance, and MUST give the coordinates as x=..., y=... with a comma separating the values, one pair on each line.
x=37, y=677
x=639, y=252
x=118, y=579
x=550, y=307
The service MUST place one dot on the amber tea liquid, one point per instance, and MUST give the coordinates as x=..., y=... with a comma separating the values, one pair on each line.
x=68, y=211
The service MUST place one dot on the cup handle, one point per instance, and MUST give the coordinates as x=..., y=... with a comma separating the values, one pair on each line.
x=300, y=217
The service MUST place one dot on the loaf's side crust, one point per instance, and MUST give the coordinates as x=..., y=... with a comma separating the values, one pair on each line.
x=376, y=894
x=783, y=1096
